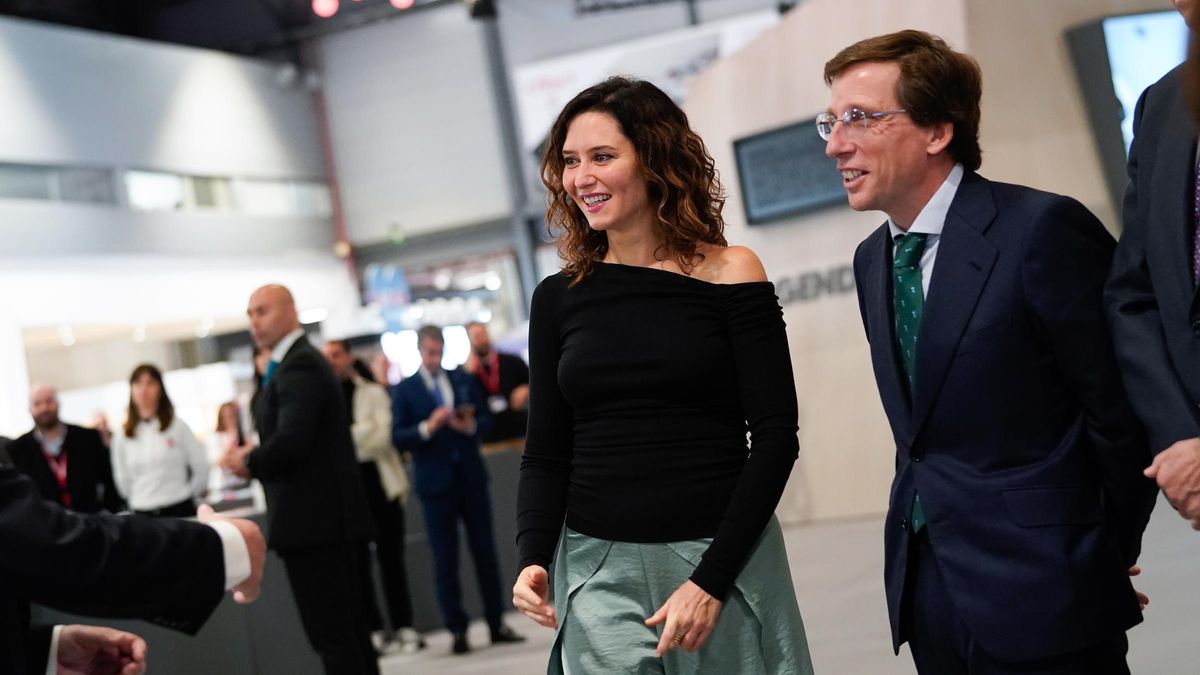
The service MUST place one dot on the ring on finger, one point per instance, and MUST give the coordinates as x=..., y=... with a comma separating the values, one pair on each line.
x=678, y=639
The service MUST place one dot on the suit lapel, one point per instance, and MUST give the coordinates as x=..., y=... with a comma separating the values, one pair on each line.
x=884, y=356
x=964, y=261
x=425, y=398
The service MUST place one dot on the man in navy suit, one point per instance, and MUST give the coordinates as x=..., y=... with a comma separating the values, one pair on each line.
x=439, y=417
x=1018, y=504
x=1151, y=295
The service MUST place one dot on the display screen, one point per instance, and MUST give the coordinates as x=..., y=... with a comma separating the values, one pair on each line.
x=784, y=172
x=1141, y=49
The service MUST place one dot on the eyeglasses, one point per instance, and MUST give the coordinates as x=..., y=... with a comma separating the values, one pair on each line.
x=853, y=116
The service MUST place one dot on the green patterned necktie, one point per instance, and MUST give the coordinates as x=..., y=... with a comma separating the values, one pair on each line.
x=909, y=298
x=909, y=301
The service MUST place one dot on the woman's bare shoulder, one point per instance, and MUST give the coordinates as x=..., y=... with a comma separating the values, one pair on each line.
x=729, y=265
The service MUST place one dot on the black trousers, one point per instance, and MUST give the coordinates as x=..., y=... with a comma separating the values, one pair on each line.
x=389, y=548
x=327, y=588
x=942, y=645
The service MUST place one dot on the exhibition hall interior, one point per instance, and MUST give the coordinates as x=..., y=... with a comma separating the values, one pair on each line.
x=162, y=162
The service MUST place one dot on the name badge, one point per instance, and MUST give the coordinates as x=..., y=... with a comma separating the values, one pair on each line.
x=497, y=403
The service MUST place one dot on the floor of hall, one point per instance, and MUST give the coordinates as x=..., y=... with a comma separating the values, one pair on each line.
x=838, y=572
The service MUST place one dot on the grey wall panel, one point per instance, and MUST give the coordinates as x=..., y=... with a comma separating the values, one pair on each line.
x=80, y=98
x=414, y=125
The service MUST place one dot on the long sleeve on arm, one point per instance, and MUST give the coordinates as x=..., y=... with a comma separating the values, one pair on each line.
x=768, y=394
x=1134, y=315
x=546, y=465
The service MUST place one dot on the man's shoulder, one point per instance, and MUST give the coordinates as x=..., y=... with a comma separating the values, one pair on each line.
x=24, y=440
x=512, y=359
x=1014, y=198
x=408, y=385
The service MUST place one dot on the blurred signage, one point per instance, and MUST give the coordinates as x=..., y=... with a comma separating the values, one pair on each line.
x=387, y=287
x=669, y=60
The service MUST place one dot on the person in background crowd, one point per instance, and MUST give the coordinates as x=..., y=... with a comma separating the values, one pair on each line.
x=1018, y=504
x=438, y=416
x=69, y=464
x=386, y=485
x=100, y=425
x=158, y=464
x=229, y=437
x=653, y=354
x=318, y=520
x=505, y=382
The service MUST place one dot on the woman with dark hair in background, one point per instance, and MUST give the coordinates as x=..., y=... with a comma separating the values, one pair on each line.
x=652, y=355
x=158, y=464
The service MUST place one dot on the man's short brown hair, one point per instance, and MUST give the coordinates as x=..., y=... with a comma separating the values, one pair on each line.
x=936, y=85
x=430, y=332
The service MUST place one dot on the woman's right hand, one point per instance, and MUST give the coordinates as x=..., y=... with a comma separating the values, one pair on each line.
x=531, y=595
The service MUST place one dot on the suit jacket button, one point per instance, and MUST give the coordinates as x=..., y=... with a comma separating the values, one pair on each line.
x=904, y=523
x=917, y=458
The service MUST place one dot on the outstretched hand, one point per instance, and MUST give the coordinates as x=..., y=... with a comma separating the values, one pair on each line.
x=247, y=591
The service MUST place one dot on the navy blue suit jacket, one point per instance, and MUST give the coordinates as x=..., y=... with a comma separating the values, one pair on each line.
x=1152, y=301
x=434, y=460
x=166, y=570
x=1018, y=434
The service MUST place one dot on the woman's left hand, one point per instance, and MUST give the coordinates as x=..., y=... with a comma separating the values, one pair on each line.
x=689, y=614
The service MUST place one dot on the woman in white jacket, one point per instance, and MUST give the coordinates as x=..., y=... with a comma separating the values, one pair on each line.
x=158, y=464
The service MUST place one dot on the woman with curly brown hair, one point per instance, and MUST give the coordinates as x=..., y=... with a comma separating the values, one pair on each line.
x=652, y=355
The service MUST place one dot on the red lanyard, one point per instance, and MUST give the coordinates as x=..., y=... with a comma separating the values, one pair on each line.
x=490, y=375
x=58, y=467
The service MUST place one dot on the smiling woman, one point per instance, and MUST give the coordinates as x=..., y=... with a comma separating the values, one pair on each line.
x=629, y=137
x=648, y=355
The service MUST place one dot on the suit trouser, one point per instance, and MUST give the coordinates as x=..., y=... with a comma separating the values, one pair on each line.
x=327, y=588
x=389, y=547
x=942, y=645
x=472, y=504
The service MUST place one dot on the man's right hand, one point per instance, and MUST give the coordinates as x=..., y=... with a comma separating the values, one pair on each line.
x=438, y=418
x=1177, y=471
x=247, y=591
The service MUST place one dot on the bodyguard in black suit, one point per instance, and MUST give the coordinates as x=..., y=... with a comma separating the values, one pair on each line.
x=316, y=511
x=439, y=417
x=1153, y=305
x=69, y=464
x=1018, y=503
x=168, y=571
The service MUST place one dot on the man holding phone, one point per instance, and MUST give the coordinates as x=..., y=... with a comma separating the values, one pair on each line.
x=439, y=416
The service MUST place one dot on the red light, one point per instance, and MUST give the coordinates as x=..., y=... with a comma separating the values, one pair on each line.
x=402, y=4
x=325, y=8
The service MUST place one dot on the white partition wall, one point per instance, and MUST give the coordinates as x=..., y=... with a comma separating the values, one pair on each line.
x=1034, y=132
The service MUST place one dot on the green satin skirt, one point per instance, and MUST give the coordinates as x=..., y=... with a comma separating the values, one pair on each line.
x=605, y=590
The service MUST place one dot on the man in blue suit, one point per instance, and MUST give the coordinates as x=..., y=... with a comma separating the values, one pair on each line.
x=439, y=417
x=1018, y=504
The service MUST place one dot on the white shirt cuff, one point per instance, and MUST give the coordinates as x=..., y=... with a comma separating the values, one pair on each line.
x=237, y=556
x=423, y=431
x=52, y=658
